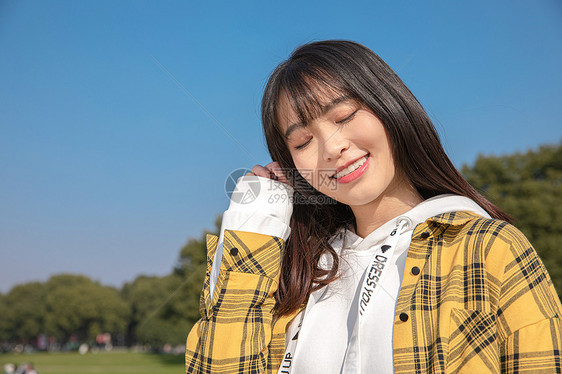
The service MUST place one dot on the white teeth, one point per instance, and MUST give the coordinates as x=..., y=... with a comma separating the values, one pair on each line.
x=351, y=168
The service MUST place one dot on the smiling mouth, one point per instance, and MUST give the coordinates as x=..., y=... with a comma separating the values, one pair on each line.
x=351, y=168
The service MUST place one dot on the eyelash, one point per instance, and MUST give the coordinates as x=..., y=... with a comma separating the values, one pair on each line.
x=342, y=122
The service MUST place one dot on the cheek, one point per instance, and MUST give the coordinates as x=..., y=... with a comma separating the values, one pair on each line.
x=305, y=169
x=389, y=157
x=300, y=162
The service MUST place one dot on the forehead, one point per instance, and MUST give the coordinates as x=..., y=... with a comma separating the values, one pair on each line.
x=301, y=109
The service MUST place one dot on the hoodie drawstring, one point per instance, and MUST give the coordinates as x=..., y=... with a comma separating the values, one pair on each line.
x=371, y=287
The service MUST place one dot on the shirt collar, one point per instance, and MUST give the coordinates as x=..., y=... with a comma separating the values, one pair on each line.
x=458, y=218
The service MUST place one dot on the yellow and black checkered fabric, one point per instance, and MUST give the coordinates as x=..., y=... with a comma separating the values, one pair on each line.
x=475, y=298
x=236, y=332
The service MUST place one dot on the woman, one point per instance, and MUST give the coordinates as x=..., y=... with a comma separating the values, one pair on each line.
x=365, y=249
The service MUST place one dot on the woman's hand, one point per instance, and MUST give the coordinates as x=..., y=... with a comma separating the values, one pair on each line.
x=271, y=171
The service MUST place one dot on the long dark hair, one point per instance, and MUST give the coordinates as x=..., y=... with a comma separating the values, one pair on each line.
x=351, y=69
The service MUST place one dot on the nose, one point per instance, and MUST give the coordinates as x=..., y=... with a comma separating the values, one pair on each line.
x=334, y=143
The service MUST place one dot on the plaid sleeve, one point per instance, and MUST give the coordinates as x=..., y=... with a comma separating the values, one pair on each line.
x=481, y=301
x=236, y=332
x=529, y=314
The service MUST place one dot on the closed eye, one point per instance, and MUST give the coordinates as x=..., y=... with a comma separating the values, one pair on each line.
x=347, y=119
x=303, y=145
x=341, y=122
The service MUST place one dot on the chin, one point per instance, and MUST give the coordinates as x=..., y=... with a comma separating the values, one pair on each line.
x=357, y=200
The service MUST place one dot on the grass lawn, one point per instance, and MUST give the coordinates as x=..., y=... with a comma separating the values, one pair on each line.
x=106, y=362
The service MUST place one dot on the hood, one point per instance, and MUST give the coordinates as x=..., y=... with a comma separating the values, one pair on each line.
x=434, y=206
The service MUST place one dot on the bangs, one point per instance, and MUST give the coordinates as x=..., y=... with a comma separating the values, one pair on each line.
x=308, y=89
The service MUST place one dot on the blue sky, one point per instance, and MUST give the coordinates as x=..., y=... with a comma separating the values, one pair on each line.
x=115, y=115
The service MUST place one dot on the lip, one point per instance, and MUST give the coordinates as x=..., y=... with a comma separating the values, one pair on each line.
x=349, y=163
x=354, y=174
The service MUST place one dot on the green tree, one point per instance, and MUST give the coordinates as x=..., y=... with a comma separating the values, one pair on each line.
x=4, y=327
x=22, y=311
x=191, y=266
x=527, y=186
x=75, y=305
x=150, y=299
x=165, y=308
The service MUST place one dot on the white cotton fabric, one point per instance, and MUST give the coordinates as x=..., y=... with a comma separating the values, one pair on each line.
x=268, y=212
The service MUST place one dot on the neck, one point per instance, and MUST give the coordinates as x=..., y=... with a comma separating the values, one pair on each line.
x=371, y=216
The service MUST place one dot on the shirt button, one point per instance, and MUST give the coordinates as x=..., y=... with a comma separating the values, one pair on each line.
x=234, y=251
x=403, y=317
x=415, y=270
x=424, y=235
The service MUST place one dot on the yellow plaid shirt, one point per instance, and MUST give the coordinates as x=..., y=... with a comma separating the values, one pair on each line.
x=481, y=302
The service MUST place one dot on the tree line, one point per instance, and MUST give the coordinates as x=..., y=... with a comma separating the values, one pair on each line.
x=528, y=187
x=161, y=310
x=150, y=310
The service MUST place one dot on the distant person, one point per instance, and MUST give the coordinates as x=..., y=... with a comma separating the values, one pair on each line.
x=29, y=369
x=26, y=368
x=99, y=340
x=366, y=251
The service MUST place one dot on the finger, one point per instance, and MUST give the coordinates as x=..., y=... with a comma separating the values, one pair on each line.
x=261, y=171
x=277, y=172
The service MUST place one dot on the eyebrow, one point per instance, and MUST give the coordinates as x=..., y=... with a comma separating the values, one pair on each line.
x=325, y=109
